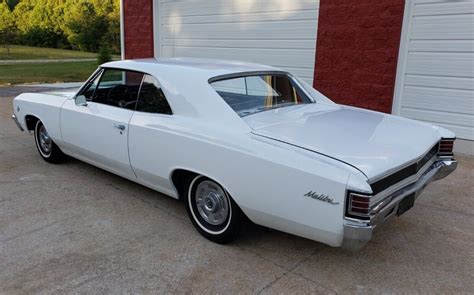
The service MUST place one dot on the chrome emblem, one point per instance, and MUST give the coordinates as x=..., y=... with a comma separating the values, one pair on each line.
x=321, y=197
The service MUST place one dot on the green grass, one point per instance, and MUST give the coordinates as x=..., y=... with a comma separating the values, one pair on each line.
x=46, y=72
x=26, y=52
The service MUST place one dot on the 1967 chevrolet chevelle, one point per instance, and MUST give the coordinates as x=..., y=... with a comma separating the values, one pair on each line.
x=237, y=140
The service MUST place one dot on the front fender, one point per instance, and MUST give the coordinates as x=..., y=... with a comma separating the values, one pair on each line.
x=42, y=106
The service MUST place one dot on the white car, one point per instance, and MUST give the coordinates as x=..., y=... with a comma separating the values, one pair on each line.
x=237, y=140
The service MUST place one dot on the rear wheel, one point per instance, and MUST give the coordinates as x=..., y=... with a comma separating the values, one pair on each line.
x=47, y=149
x=212, y=211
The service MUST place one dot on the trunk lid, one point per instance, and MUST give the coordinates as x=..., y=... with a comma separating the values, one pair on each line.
x=375, y=143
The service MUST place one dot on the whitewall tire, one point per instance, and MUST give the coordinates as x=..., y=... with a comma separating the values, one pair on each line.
x=212, y=211
x=47, y=149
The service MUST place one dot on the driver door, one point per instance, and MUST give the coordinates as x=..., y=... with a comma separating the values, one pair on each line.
x=95, y=124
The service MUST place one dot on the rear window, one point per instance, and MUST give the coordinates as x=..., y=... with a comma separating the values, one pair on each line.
x=247, y=95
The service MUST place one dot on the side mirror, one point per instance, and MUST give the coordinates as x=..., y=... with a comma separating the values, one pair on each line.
x=81, y=101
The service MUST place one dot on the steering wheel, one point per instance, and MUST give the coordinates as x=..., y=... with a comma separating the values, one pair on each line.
x=111, y=100
x=124, y=104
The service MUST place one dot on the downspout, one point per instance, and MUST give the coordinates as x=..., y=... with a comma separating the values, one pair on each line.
x=122, y=31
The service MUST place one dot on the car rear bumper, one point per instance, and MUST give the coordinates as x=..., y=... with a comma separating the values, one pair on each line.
x=15, y=119
x=358, y=232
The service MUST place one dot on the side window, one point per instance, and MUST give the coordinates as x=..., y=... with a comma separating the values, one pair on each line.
x=118, y=88
x=90, y=88
x=152, y=98
x=237, y=86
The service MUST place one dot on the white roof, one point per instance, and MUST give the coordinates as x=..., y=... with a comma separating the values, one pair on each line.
x=201, y=66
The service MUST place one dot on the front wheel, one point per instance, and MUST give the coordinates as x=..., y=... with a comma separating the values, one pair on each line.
x=47, y=149
x=212, y=211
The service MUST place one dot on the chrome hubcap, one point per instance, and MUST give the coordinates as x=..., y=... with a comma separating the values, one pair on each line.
x=212, y=203
x=44, y=140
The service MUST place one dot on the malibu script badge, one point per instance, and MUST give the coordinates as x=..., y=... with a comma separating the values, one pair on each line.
x=321, y=197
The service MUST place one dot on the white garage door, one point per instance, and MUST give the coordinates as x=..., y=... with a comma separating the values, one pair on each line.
x=435, y=79
x=280, y=33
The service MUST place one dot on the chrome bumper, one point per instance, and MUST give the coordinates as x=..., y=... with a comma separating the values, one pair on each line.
x=358, y=232
x=15, y=119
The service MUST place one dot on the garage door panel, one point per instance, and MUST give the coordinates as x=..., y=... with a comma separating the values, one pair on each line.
x=441, y=46
x=437, y=82
x=303, y=73
x=205, y=7
x=417, y=2
x=443, y=8
x=309, y=14
x=460, y=131
x=440, y=82
x=229, y=43
x=453, y=100
x=295, y=59
x=443, y=27
x=284, y=57
x=448, y=20
x=247, y=30
x=444, y=64
x=279, y=33
x=439, y=117
x=427, y=103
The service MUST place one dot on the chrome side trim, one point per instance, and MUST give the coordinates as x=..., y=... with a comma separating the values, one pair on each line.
x=15, y=119
x=358, y=232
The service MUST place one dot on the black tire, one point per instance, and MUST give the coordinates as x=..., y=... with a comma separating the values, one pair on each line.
x=51, y=155
x=222, y=233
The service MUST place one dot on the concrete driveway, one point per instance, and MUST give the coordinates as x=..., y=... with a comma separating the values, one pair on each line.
x=74, y=228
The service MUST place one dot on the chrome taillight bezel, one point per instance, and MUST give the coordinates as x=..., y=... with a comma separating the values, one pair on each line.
x=358, y=205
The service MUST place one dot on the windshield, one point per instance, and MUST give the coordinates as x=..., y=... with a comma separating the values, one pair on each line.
x=247, y=95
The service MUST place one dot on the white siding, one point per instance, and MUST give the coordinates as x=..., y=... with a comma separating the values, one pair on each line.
x=435, y=82
x=280, y=33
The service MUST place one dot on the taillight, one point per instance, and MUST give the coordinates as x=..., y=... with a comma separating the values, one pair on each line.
x=358, y=205
x=446, y=147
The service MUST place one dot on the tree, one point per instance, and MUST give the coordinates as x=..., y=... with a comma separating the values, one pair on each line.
x=112, y=37
x=79, y=24
x=7, y=26
x=11, y=4
x=84, y=27
x=22, y=15
x=7, y=18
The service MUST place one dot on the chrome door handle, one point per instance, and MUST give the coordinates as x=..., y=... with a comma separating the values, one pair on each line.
x=119, y=126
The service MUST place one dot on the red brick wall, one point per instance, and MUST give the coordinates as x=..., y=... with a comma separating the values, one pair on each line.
x=138, y=28
x=357, y=50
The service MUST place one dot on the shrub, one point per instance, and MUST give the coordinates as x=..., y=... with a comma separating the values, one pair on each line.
x=43, y=38
x=104, y=55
